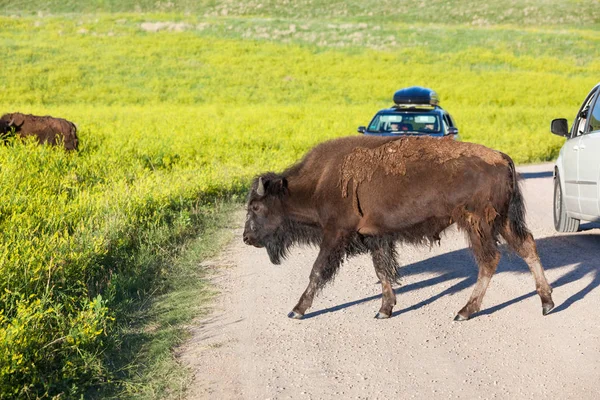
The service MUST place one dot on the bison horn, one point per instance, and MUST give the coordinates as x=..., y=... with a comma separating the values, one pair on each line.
x=260, y=190
x=11, y=123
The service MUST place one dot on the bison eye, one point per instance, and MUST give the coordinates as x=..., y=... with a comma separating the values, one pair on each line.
x=255, y=207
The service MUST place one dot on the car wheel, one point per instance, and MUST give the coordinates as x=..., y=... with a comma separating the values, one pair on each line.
x=562, y=222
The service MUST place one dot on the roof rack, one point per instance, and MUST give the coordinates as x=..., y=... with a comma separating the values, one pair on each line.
x=407, y=106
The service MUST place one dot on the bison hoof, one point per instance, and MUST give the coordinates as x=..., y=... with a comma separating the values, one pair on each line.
x=381, y=315
x=295, y=315
x=546, y=308
x=460, y=318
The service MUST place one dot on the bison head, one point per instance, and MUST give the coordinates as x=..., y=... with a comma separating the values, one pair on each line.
x=9, y=126
x=265, y=220
x=4, y=128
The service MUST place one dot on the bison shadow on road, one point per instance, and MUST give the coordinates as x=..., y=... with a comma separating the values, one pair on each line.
x=579, y=251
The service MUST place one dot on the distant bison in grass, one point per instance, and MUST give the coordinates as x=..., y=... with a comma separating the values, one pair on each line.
x=46, y=129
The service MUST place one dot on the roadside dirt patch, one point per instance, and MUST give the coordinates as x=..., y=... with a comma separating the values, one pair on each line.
x=165, y=26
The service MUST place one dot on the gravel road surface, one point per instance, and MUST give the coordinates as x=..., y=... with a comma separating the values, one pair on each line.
x=247, y=348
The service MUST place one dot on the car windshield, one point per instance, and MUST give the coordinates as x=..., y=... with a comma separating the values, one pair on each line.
x=415, y=123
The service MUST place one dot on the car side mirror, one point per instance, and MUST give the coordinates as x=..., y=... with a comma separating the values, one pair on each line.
x=560, y=127
x=452, y=131
x=362, y=129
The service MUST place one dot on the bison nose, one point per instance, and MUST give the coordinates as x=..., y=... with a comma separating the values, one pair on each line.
x=246, y=240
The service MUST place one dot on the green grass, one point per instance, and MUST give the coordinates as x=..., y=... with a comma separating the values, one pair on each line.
x=178, y=111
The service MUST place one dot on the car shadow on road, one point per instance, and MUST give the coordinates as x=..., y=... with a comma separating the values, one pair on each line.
x=589, y=226
x=575, y=253
x=533, y=175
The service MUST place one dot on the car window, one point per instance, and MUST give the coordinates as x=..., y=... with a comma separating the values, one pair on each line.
x=594, y=117
x=580, y=125
x=410, y=122
x=447, y=120
x=383, y=122
x=376, y=124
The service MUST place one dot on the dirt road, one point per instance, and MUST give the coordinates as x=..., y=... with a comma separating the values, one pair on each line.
x=249, y=349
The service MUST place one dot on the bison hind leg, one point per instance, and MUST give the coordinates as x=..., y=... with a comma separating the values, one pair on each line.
x=482, y=237
x=524, y=245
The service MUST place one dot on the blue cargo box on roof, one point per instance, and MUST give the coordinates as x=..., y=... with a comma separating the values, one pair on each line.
x=416, y=95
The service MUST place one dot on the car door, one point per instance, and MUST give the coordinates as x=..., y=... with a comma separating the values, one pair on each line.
x=570, y=156
x=588, y=177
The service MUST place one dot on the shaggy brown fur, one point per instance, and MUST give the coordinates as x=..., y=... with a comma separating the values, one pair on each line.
x=409, y=190
x=46, y=129
x=394, y=156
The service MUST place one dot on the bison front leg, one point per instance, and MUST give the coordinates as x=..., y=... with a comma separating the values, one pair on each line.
x=326, y=265
x=386, y=268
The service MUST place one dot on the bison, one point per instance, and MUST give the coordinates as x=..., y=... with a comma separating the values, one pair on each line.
x=46, y=129
x=363, y=194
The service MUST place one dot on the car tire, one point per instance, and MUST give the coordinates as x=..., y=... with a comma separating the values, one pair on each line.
x=562, y=222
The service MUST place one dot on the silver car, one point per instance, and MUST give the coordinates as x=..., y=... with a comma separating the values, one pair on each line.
x=577, y=170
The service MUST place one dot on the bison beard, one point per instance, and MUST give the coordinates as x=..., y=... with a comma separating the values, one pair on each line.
x=289, y=233
x=357, y=195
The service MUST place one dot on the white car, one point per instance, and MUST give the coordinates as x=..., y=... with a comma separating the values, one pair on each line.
x=577, y=170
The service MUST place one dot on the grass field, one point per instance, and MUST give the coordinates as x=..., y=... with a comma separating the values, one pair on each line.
x=179, y=104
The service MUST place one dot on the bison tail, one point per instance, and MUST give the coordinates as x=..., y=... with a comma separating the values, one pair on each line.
x=516, y=205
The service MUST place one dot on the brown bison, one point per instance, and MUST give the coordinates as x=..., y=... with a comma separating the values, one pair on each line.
x=362, y=194
x=46, y=129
